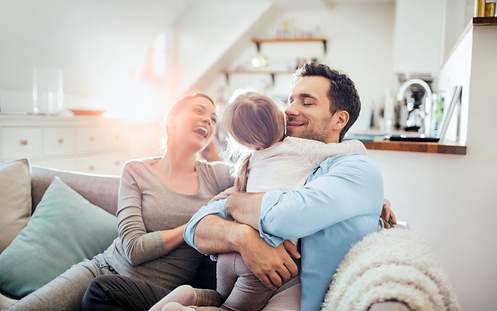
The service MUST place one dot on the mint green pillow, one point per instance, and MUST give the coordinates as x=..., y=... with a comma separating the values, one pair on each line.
x=64, y=229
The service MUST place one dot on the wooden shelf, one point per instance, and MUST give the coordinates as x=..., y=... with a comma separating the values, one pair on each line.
x=271, y=73
x=259, y=41
x=485, y=21
x=416, y=147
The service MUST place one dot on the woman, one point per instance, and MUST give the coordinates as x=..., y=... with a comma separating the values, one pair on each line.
x=157, y=196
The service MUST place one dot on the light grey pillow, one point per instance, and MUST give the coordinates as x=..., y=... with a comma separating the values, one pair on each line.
x=15, y=199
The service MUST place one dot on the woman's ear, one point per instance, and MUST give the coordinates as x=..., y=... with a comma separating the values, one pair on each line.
x=341, y=119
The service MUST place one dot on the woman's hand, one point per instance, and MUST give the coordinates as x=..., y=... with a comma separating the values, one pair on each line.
x=387, y=215
x=225, y=194
x=173, y=238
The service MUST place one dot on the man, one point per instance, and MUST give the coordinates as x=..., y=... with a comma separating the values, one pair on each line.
x=340, y=203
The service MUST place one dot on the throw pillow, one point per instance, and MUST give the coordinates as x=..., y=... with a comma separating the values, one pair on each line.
x=64, y=229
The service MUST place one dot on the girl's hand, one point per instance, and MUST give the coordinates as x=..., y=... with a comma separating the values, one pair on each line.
x=223, y=195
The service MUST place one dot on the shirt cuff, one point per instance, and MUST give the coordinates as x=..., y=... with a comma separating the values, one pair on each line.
x=212, y=208
x=269, y=201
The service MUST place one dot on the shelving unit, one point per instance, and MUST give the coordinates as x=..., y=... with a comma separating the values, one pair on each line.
x=259, y=41
x=271, y=73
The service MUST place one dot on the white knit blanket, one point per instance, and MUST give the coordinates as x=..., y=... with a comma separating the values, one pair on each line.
x=389, y=265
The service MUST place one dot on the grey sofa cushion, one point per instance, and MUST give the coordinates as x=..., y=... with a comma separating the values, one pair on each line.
x=100, y=190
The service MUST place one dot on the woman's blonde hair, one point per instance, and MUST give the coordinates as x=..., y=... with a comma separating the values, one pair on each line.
x=255, y=121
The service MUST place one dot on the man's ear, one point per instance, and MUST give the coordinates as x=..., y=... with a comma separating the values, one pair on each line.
x=341, y=119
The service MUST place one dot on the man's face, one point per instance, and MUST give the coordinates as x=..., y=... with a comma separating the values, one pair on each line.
x=308, y=111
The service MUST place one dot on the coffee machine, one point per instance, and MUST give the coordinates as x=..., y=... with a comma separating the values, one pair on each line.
x=413, y=110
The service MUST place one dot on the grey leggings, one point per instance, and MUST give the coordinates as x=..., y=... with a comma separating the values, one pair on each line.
x=64, y=292
x=243, y=291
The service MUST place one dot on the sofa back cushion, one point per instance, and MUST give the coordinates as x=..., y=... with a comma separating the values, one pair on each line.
x=100, y=190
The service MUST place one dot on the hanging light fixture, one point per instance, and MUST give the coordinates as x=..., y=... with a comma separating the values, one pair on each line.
x=259, y=61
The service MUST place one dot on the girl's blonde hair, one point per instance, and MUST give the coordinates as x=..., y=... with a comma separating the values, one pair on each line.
x=255, y=121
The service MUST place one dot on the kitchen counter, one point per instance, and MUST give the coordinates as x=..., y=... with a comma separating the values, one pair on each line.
x=485, y=20
x=375, y=140
x=416, y=147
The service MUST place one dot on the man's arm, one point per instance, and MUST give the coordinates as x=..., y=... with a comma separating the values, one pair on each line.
x=246, y=208
x=211, y=234
x=352, y=186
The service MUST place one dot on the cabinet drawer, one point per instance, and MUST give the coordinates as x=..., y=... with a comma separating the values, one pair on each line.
x=90, y=140
x=107, y=164
x=91, y=164
x=115, y=163
x=20, y=142
x=117, y=139
x=59, y=141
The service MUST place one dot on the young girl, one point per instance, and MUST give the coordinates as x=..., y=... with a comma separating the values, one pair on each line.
x=276, y=162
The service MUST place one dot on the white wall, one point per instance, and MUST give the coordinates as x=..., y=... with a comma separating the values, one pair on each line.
x=451, y=200
x=360, y=42
x=418, y=36
x=454, y=21
x=93, y=42
x=208, y=31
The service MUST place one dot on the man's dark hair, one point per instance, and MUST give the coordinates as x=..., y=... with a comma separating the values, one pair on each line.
x=342, y=93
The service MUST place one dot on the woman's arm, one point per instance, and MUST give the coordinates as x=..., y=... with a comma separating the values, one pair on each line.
x=173, y=238
x=139, y=245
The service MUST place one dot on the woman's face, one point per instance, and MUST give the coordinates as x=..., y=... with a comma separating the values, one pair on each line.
x=194, y=124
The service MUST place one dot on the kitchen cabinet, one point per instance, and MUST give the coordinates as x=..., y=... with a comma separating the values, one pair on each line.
x=86, y=144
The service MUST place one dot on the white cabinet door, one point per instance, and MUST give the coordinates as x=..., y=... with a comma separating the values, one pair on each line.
x=115, y=163
x=59, y=141
x=107, y=164
x=21, y=142
x=117, y=138
x=91, y=164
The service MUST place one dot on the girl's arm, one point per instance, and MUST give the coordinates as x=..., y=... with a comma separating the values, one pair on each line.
x=316, y=151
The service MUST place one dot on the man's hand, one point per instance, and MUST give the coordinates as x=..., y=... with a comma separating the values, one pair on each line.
x=387, y=215
x=245, y=207
x=272, y=266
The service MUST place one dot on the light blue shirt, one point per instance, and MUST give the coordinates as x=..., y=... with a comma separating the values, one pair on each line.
x=339, y=204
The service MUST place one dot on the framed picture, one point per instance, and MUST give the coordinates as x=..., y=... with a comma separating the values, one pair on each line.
x=454, y=101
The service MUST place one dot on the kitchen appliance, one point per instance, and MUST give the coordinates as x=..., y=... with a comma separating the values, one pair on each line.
x=414, y=107
x=442, y=134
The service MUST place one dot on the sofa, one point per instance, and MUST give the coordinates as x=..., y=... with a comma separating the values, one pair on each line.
x=103, y=191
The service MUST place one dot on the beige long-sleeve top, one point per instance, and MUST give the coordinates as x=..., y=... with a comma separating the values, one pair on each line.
x=146, y=206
